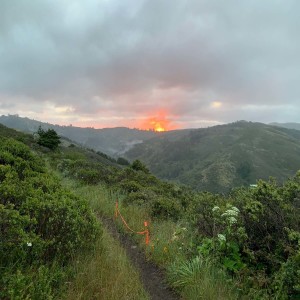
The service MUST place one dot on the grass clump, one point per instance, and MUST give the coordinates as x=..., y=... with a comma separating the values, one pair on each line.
x=198, y=279
x=106, y=274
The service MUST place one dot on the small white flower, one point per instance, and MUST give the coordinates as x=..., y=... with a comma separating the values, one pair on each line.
x=235, y=209
x=222, y=237
x=232, y=220
x=174, y=237
x=215, y=208
x=29, y=244
x=230, y=213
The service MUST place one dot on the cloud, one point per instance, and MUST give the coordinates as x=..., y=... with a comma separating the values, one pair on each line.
x=96, y=61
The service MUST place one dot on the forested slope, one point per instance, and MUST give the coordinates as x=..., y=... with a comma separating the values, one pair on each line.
x=222, y=157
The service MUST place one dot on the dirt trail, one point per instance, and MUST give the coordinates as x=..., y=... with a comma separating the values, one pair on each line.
x=151, y=277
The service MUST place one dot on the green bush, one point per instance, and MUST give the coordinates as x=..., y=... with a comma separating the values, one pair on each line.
x=49, y=138
x=162, y=207
x=130, y=186
x=255, y=234
x=123, y=161
x=36, y=283
x=143, y=196
x=137, y=165
x=88, y=176
x=40, y=224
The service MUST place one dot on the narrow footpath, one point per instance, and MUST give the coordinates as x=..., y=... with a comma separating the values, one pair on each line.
x=151, y=276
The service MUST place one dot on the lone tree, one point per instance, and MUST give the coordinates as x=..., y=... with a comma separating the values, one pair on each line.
x=139, y=166
x=49, y=138
x=123, y=161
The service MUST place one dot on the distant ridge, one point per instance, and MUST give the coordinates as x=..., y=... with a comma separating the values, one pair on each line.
x=287, y=125
x=112, y=141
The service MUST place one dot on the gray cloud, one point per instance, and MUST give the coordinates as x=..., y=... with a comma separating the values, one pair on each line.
x=129, y=59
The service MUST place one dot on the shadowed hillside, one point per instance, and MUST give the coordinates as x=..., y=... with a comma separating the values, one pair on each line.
x=224, y=156
x=113, y=141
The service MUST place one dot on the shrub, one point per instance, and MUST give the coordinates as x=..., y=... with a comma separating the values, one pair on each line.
x=143, y=196
x=40, y=223
x=130, y=186
x=137, y=165
x=162, y=207
x=49, y=138
x=123, y=161
x=88, y=176
x=255, y=234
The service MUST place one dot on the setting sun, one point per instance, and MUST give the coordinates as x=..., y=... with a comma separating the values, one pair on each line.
x=158, y=122
x=157, y=126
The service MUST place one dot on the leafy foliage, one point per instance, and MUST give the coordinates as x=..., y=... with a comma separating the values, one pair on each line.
x=137, y=165
x=255, y=234
x=40, y=224
x=123, y=161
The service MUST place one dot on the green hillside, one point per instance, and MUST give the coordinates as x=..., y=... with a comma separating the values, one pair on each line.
x=222, y=157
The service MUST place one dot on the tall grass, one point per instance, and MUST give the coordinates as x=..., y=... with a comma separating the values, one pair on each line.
x=101, y=198
x=107, y=274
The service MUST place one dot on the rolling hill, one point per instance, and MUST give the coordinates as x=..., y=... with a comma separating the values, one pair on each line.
x=222, y=157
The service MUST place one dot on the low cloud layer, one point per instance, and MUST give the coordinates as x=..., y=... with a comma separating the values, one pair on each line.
x=120, y=63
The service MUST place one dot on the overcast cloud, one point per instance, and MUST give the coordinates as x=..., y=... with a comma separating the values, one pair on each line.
x=110, y=63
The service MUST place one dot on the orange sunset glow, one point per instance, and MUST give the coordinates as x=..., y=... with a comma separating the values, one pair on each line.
x=159, y=123
x=158, y=126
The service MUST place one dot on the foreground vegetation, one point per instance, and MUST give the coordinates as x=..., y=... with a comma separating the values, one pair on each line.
x=106, y=273
x=243, y=245
x=247, y=241
x=52, y=246
x=42, y=225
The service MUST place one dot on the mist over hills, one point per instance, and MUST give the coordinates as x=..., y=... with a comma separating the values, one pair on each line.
x=224, y=156
x=287, y=125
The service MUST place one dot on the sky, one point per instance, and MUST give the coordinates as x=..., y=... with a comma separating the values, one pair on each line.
x=150, y=63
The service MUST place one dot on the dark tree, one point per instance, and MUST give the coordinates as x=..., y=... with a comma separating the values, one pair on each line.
x=49, y=138
x=123, y=161
x=139, y=166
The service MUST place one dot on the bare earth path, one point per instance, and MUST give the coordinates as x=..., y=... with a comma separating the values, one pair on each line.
x=151, y=277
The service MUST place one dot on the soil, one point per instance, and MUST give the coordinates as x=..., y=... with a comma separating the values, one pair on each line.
x=151, y=276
